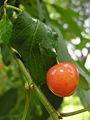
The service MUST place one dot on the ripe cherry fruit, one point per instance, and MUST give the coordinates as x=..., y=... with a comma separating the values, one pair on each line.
x=1, y=66
x=63, y=78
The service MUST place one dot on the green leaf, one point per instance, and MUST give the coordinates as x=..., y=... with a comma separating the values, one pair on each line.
x=84, y=74
x=8, y=101
x=6, y=54
x=82, y=43
x=30, y=7
x=5, y=30
x=61, y=48
x=84, y=83
x=68, y=17
x=34, y=42
x=84, y=96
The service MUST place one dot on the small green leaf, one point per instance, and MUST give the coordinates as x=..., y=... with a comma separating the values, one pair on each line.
x=6, y=54
x=84, y=96
x=5, y=30
x=84, y=83
x=84, y=74
x=61, y=49
x=82, y=43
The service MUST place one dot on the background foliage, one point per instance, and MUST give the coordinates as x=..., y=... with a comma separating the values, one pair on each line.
x=41, y=48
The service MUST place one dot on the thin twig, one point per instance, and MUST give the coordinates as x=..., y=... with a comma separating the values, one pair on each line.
x=5, y=4
x=75, y=112
x=27, y=102
x=14, y=8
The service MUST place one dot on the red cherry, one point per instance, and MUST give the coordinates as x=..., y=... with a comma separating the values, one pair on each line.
x=1, y=66
x=63, y=78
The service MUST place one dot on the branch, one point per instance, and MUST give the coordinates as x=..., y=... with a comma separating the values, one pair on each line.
x=75, y=112
x=10, y=7
x=32, y=86
x=27, y=102
x=14, y=8
x=5, y=4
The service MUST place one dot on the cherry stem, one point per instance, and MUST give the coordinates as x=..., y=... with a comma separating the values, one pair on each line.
x=75, y=112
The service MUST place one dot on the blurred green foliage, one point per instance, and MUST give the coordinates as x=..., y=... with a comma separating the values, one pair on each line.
x=68, y=18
